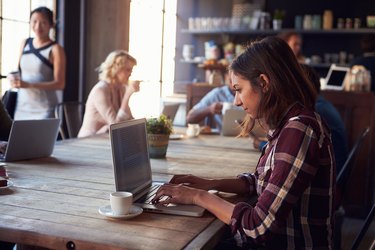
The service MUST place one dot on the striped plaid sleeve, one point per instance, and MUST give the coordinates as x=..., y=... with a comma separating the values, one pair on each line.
x=294, y=158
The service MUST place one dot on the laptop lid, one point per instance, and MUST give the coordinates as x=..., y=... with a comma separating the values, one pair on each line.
x=170, y=110
x=31, y=139
x=132, y=167
x=335, y=79
x=231, y=118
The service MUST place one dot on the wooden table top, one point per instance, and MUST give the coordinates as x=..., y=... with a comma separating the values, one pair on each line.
x=54, y=201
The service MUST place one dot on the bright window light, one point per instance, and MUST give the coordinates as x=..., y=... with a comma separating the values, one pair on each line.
x=152, y=42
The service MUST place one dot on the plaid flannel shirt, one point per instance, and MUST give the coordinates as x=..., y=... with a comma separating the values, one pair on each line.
x=295, y=182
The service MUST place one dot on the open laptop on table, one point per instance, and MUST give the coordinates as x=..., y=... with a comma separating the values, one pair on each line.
x=29, y=139
x=132, y=168
x=170, y=110
x=230, y=126
x=335, y=78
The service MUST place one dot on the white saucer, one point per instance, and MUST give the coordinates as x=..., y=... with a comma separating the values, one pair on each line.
x=176, y=136
x=107, y=211
x=10, y=183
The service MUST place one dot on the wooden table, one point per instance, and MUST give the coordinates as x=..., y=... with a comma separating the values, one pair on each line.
x=54, y=201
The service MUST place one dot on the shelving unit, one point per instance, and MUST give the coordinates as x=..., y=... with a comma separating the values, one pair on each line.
x=361, y=31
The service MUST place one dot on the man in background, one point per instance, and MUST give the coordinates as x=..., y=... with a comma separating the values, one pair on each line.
x=368, y=58
x=211, y=105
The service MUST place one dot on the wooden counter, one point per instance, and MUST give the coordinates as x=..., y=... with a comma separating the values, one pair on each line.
x=358, y=111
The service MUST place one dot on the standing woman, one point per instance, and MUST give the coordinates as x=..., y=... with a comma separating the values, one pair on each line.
x=108, y=101
x=42, y=68
x=294, y=180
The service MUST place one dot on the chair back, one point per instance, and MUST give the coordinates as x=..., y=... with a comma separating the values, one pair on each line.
x=71, y=115
x=9, y=100
x=343, y=177
x=365, y=227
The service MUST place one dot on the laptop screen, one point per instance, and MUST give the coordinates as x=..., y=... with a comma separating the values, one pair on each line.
x=335, y=77
x=130, y=155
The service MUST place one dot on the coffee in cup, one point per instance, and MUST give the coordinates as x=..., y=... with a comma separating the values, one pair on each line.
x=121, y=202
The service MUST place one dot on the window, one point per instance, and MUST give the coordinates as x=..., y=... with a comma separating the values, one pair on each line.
x=14, y=27
x=152, y=42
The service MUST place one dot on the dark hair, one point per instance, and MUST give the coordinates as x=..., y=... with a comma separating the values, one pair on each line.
x=46, y=12
x=288, y=84
x=313, y=76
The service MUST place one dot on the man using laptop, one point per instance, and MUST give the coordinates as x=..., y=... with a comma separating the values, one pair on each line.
x=212, y=104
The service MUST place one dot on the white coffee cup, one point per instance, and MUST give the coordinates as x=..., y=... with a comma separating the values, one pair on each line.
x=121, y=202
x=14, y=76
x=226, y=106
x=188, y=52
x=193, y=130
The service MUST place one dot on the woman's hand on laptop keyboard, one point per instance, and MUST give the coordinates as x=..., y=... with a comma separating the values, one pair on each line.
x=192, y=181
x=175, y=193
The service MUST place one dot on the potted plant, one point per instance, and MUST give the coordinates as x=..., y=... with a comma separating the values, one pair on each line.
x=158, y=131
x=278, y=17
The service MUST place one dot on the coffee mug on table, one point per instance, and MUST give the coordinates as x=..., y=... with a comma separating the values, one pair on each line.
x=193, y=130
x=121, y=202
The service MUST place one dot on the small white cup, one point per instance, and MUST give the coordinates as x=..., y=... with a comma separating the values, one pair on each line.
x=14, y=76
x=121, y=202
x=226, y=106
x=193, y=130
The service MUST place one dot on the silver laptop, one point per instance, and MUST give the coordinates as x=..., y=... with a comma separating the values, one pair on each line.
x=132, y=168
x=31, y=139
x=231, y=120
x=335, y=78
x=170, y=110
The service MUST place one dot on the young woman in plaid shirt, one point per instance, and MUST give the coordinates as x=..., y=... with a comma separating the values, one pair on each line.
x=294, y=180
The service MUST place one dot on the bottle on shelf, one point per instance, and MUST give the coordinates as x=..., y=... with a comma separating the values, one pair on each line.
x=327, y=20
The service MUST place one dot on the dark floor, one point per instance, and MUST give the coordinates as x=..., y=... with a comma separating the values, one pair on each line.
x=350, y=230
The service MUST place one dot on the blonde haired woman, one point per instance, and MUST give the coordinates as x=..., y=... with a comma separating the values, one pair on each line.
x=108, y=101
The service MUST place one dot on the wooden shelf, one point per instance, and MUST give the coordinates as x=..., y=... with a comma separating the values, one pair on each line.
x=216, y=66
x=271, y=31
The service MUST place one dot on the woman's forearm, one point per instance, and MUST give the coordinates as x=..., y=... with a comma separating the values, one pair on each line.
x=221, y=208
x=236, y=186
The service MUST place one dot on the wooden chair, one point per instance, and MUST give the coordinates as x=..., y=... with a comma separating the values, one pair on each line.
x=71, y=115
x=9, y=100
x=341, y=182
x=369, y=219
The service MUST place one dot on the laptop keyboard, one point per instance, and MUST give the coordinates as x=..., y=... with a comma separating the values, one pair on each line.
x=147, y=198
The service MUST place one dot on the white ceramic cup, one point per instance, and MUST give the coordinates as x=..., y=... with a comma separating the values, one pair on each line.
x=188, y=52
x=14, y=76
x=226, y=106
x=121, y=202
x=193, y=130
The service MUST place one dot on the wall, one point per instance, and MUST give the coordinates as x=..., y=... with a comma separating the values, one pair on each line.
x=89, y=30
x=107, y=29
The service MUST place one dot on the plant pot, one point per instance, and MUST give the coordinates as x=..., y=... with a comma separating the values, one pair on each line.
x=158, y=145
